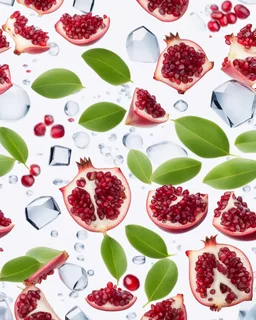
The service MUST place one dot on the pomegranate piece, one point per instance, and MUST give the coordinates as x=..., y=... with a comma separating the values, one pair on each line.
x=241, y=11
x=42, y=6
x=6, y=225
x=35, y=170
x=220, y=275
x=5, y=78
x=110, y=298
x=232, y=18
x=226, y=6
x=246, y=37
x=32, y=304
x=27, y=39
x=213, y=26
x=131, y=282
x=4, y=44
x=176, y=210
x=82, y=29
x=172, y=308
x=48, y=120
x=97, y=199
x=182, y=64
x=27, y=180
x=40, y=129
x=165, y=10
x=57, y=131
x=145, y=111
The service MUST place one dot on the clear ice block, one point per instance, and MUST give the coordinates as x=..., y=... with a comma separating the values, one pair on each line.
x=76, y=314
x=73, y=276
x=84, y=5
x=7, y=2
x=60, y=156
x=5, y=312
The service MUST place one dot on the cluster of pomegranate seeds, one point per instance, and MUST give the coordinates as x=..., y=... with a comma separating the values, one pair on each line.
x=44, y=5
x=28, y=180
x=111, y=294
x=185, y=209
x=3, y=42
x=4, y=222
x=247, y=67
x=57, y=131
x=40, y=316
x=167, y=7
x=27, y=303
x=3, y=75
x=246, y=37
x=164, y=310
x=146, y=101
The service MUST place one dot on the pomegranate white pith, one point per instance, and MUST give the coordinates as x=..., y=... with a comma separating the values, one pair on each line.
x=220, y=275
x=5, y=78
x=42, y=6
x=6, y=225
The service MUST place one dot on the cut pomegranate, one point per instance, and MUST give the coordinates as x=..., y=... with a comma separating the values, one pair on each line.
x=173, y=309
x=57, y=131
x=213, y=26
x=181, y=64
x=4, y=45
x=97, y=199
x=27, y=39
x=234, y=218
x=40, y=129
x=6, y=225
x=42, y=6
x=27, y=180
x=35, y=170
x=241, y=11
x=131, y=282
x=110, y=298
x=48, y=120
x=82, y=29
x=176, y=210
x=5, y=78
x=145, y=111
x=226, y=6
x=220, y=275
x=165, y=10
x=31, y=304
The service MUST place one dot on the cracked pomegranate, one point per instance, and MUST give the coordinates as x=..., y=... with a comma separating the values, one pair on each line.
x=31, y=304
x=173, y=309
x=111, y=298
x=145, y=111
x=220, y=275
x=97, y=199
x=6, y=225
x=82, y=29
x=42, y=6
x=176, y=210
x=5, y=78
x=182, y=64
x=4, y=44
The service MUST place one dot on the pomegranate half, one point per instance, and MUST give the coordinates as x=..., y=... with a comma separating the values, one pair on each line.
x=42, y=6
x=4, y=44
x=111, y=298
x=82, y=29
x=6, y=224
x=97, y=199
x=5, y=79
x=165, y=10
x=172, y=308
x=182, y=64
x=145, y=111
x=27, y=39
x=176, y=210
x=32, y=304
x=220, y=275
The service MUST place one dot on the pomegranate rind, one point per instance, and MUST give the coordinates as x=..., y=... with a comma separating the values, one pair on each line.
x=183, y=87
x=212, y=246
x=41, y=12
x=4, y=49
x=156, y=14
x=140, y=118
x=85, y=166
x=110, y=307
x=4, y=87
x=83, y=42
x=5, y=230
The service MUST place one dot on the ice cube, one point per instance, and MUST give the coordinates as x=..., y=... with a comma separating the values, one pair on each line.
x=247, y=311
x=83, y=5
x=181, y=105
x=73, y=276
x=133, y=141
x=5, y=312
x=76, y=314
x=42, y=211
x=7, y=2
x=233, y=102
x=142, y=46
x=60, y=156
x=139, y=260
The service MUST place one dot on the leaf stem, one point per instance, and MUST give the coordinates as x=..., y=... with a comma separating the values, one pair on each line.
x=146, y=304
x=26, y=166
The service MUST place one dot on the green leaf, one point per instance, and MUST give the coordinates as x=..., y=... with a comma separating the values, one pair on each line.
x=19, y=269
x=114, y=257
x=176, y=171
x=102, y=116
x=203, y=137
x=246, y=142
x=6, y=164
x=14, y=144
x=231, y=174
x=139, y=165
x=108, y=65
x=43, y=254
x=57, y=83
x=161, y=279
x=146, y=241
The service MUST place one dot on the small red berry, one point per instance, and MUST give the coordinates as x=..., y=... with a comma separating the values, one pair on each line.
x=48, y=119
x=71, y=119
x=226, y=6
x=224, y=21
x=214, y=7
x=57, y=131
x=131, y=282
x=241, y=11
x=34, y=170
x=27, y=180
x=217, y=15
x=232, y=18
x=40, y=129
x=213, y=26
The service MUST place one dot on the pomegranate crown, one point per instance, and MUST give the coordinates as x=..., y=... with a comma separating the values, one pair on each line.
x=84, y=163
x=171, y=37
x=210, y=241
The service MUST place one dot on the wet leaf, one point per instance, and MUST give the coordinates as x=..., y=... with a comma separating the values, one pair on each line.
x=139, y=165
x=6, y=164
x=43, y=254
x=246, y=142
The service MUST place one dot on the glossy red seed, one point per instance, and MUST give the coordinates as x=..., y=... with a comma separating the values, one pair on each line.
x=223, y=21
x=131, y=282
x=241, y=11
x=40, y=129
x=232, y=18
x=27, y=180
x=48, y=119
x=35, y=170
x=214, y=7
x=213, y=26
x=57, y=131
x=226, y=6
x=217, y=15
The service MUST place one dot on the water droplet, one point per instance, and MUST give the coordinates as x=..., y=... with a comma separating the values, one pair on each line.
x=131, y=315
x=254, y=249
x=12, y=179
x=73, y=294
x=81, y=139
x=60, y=294
x=133, y=141
x=90, y=273
x=71, y=108
x=139, y=260
x=181, y=105
x=79, y=247
x=131, y=176
x=94, y=134
x=26, y=82
x=54, y=50
x=247, y=189
x=80, y=258
x=118, y=160
x=59, y=182
x=112, y=137
x=132, y=129
x=1, y=186
x=108, y=158
x=104, y=149
x=54, y=233
x=82, y=234
x=179, y=247
x=29, y=193
x=208, y=10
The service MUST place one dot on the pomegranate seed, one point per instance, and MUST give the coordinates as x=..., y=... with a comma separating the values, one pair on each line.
x=34, y=170
x=4, y=222
x=213, y=26
x=48, y=119
x=27, y=180
x=223, y=21
x=217, y=15
x=71, y=119
x=147, y=102
x=3, y=42
x=57, y=131
x=214, y=7
x=40, y=129
x=131, y=282
x=169, y=309
x=241, y=11
x=232, y=18
x=226, y=6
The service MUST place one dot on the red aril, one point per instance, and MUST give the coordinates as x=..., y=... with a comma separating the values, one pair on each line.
x=223, y=21
x=42, y=6
x=4, y=44
x=40, y=129
x=35, y=170
x=246, y=37
x=57, y=131
x=241, y=11
x=214, y=7
x=27, y=180
x=213, y=26
x=48, y=120
x=226, y=6
x=131, y=282
x=217, y=15
x=5, y=78
x=6, y=225
x=232, y=18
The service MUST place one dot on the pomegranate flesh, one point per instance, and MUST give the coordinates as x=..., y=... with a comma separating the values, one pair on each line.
x=82, y=29
x=176, y=210
x=172, y=308
x=145, y=111
x=165, y=10
x=6, y=225
x=110, y=298
x=182, y=64
x=4, y=44
x=42, y=6
x=5, y=78
x=31, y=304
x=220, y=275
x=27, y=39
x=97, y=199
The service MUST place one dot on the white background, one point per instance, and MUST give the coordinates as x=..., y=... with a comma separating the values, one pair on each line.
x=125, y=16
